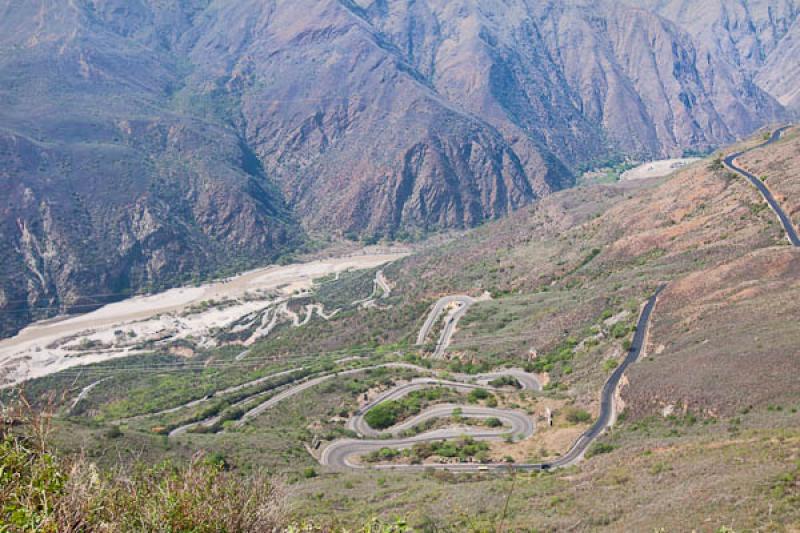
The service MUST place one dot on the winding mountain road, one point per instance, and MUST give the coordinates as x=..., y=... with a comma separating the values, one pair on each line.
x=339, y=454
x=379, y=285
x=605, y=418
x=84, y=393
x=358, y=424
x=786, y=221
x=460, y=305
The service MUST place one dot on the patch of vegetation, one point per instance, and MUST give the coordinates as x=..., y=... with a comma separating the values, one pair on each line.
x=476, y=395
x=716, y=164
x=464, y=449
x=577, y=416
x=562, y=353
x=41, y=491
x=505, y=381
x=599, y=448
x=787, y=486
x=387, y=414
x=620, y=330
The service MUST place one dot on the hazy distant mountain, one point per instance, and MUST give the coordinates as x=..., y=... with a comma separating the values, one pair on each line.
x=759, y=40
x=146, y=141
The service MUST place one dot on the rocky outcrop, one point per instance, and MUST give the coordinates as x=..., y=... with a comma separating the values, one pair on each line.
x=780, y=75
x=747, y=43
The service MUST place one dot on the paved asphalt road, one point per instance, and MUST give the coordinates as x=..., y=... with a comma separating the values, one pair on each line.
x=358, y=424
x=527, y=382
x=607, y=395
x=338, y=453
x=730, y=162
x=451, y=320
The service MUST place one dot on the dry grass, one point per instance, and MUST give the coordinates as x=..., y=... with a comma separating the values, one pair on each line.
x=42, y=491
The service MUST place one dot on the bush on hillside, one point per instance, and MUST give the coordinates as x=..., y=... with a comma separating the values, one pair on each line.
x=41, y=491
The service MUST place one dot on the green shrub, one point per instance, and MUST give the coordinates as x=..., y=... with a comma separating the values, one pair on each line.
x=577, y=416
x=478, y=394
x=619, y=330
x=113, y=432
x=599, y=448
x=493, y=422
x=610, y=364
x=42, y=492
x=383, y=415
x=505, y=381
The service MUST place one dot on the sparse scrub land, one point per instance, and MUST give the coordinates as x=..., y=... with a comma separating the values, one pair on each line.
x=599, y=448
x=43, y=491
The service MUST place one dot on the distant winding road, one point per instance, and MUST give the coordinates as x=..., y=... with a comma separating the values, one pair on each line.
x=461, y=305
x=339, y=454
x=730, y=162
x=84, y=393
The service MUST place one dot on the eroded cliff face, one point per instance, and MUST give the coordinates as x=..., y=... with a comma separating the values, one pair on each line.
x=87, y=227
x=780, y=75
x=753, y=42
x=145, y=142
x=578, y=77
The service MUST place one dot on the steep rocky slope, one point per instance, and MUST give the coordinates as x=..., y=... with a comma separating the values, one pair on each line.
x=578, y=78
x=780, y=75
x=106, y=189
x=756, y=41
x=144, y=142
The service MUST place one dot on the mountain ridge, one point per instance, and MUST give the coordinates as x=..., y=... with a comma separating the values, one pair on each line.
x=181, y=138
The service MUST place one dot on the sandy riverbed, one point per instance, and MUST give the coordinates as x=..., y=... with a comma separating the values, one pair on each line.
x=51, y=346
x=657, y=169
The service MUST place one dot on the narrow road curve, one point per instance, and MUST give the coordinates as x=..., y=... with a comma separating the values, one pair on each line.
x=379, y=284
x=730, y=162
x=461, y=304
x=605, y=417
x=516, y=423
x=525, y=382
x=84, y=393
x=358, y=423
x=383, y=284
x=338, y=453
x=288, y=392
x=209, y=397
